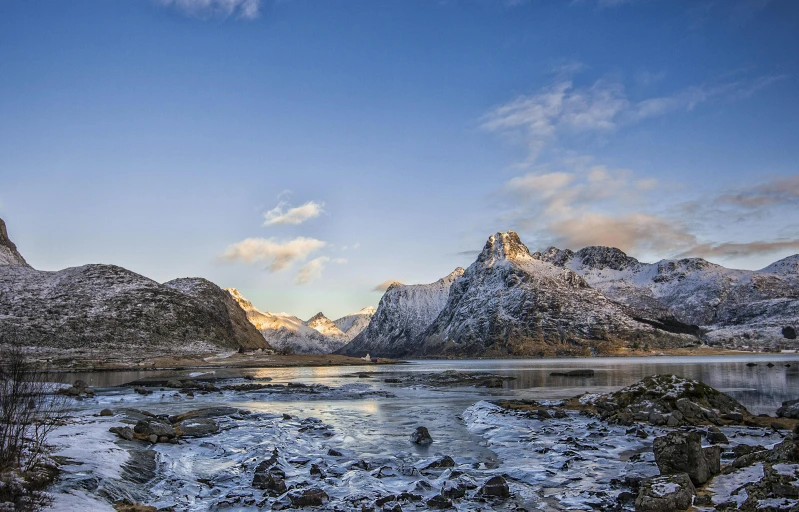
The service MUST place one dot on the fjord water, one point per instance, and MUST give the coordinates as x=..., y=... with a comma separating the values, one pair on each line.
x=369, y=419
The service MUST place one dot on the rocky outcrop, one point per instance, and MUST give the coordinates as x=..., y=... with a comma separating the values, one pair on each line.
x=509, y=303
x=682, y=452
x=735, y=308
x=8, y=251
x=402, y=316
x=107, y=312
x=666, y=400
x=323, y=325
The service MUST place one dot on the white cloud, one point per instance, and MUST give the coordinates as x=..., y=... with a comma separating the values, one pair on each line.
x=278, y=255
x=297, y=215
x=312, y=270
x=385, y=285
x=244, y=9
x=565, y=108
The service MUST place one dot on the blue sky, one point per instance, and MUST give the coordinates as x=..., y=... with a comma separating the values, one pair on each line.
x=305, y=152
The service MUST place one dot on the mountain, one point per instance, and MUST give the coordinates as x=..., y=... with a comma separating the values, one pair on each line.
x=509, y=303
x=323, y=325
x=108, y=312
x=8, y=251
x=403, y=314
x=354, y=323
x=735, y=308
x=287, y=333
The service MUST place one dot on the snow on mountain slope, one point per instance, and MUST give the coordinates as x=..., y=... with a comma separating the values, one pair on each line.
x=509, y=302
x=322, y=324
x=109, y=313
x=736, y=307
x=354, y=323
x=286, y=332
x=403, y=314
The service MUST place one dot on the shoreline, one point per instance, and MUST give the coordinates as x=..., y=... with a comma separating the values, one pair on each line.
x=250, y=360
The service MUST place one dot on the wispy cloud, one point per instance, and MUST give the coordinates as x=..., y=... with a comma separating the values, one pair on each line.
x=385, y=285
x=277, y=255
x=565, y=108
x=311, y=271
x=781, y=190
x=243, y=9
x=292, y=216
x=739, y=249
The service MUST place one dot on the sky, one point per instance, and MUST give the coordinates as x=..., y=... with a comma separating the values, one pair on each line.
x=309, y=152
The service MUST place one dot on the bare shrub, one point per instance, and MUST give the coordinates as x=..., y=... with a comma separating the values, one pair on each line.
x=29, y=411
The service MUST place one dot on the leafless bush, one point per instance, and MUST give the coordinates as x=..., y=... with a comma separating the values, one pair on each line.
x=29, y=411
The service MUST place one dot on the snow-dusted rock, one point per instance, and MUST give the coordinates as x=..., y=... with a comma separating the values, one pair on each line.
x=8, y=251
x=322, y=324
x=403, y=314
x=509, y=302
x=736, y=308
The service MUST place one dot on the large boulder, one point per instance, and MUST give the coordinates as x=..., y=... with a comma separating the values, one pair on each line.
x=421, y=436
x=682, y=452
x=665, y=493
x=789, y=409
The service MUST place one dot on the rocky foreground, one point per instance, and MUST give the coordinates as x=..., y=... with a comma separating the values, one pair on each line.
x=189, y=443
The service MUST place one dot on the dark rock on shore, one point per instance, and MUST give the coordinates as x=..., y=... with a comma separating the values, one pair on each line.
x=495, y=486
x=682, y=452
x=421, y=437
x=314, y=497
x=789, y=409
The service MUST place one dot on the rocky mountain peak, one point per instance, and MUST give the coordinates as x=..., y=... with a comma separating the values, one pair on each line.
x=557, y=257
x=503, y=246
x=785, y=266
x=600, y=257
x=452, y=276
x=8, y=251
x=317, y=317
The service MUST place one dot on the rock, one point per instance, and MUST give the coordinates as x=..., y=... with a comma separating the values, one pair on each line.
x=392, y=381
x=716, y=436
x=153, y=438
x=313, y=497
x=439, y=502
x=421, y=436
x=106, y=412
x=682, y=452
x=127, y=506
x=199, y=427
x=154, y=427
x=174, y=383
x=392, y=506
x=789, y=333
x=574, y=373
x=286, y=416
x=445, y=462
x=789, y=409
x=125, y=433
x=665, y=493
x=142, y=391
x=750, y=365
x=495, y=486
x=334, y=453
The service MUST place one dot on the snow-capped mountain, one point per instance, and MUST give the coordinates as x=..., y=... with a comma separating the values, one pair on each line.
x=354, y=323
x=403, y=314
x=323, y=325
x=108, y=312
x=286, y=332
x=509, y=303
x=735, y=308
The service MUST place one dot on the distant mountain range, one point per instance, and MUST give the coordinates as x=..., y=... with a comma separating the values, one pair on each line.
x=319, y=335
x=511, y=302
x=107, y=312
x=508, y=303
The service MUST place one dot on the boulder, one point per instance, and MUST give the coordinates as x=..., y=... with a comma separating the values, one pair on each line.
x=682, y=452
x=495, y=486
x=421, y=436
x=106, y=412
x=125, y=433
x=789, y=409
x=444, y=462
x=313, y=497
x=154, y=427
x=439, y=502
x=665, y=493
x=716, y=436
x=199, y=427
